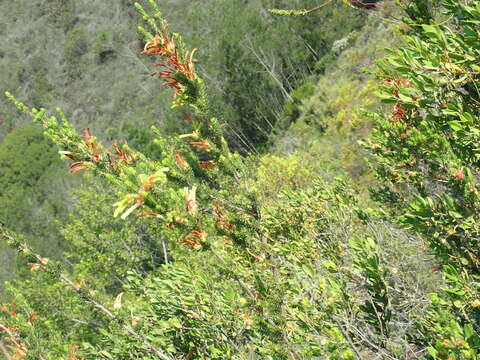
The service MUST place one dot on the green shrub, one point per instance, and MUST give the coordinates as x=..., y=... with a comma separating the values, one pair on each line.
x=230, y=256
x=427, y=158
x=74, y=47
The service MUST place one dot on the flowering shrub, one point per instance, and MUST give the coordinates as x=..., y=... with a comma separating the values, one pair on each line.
x=427, y=157
x=264, y=259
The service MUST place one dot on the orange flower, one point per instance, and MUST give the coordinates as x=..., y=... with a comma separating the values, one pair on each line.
x=73, y=351
x=124, y=156
x=459, y=175
x=88, y=151
x=194, y=238
x=163, y=45
x=205, y=145
x=36, y=267
x=32, y=318
x=207, y=164
x=77, y=166
x=148, y=213
x=221, y=222
x=181, y=160
x=398, y=112
x=89, y=141
x=187, y=117
x=151, y=180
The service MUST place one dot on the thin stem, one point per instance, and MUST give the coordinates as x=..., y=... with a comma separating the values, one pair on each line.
x=318, y=7
x=4, y=351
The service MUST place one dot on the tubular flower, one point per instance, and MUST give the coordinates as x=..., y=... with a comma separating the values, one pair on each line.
x=32, y=318
x=132, y=202
x=181, y=160
x=148, y=213
x=77, y=166
x=398, y=112
x=194, y=238
x=204, y=145
x=207, y=164
x=123, y=205
x=187, y=117
x=90, y=143
x=173, y=63
x=36, y=267
x=122, y=155
x=73, y=351
x=222, y=221
x=90, y=150
x=90, y=153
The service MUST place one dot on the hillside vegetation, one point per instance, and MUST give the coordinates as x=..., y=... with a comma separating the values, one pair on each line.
x=310, y=192
x=83, y=57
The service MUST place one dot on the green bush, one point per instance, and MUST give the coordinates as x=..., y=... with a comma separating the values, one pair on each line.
x=74, y=48
x=427, y=158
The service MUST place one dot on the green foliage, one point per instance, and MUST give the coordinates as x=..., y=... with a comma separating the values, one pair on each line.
x=27, y=199
x=104, y=48
x=428, y=142
x=377, y=308
x=31, y=201
x=248, y=57
x=74, y=48
x=189, y=250
x=279, y=294
x=100, y=243
x=426, y=158
x=329, y=120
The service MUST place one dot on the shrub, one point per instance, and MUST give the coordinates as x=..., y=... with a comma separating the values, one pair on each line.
x=262, y=258
x=427, y=157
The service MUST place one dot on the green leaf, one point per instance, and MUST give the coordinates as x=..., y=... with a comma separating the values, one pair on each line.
x=455, y=125
x=433, y=353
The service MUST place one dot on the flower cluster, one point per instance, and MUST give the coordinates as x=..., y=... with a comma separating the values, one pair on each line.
x=173, y=62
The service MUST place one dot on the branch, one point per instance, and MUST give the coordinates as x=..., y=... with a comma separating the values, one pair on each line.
x=282, y=12
x=4, y=351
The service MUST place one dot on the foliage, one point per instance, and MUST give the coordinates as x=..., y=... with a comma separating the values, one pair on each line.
x=326, y=122
x=209, y=254
x=30, y=203
x=426, y=157
x=72, y=57
x=253, y=61
x=21, y=171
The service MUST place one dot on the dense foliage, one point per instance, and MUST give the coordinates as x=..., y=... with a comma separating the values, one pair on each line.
x=190, y=248
x=33, y=198
x=427, y=159
x=65, y=53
